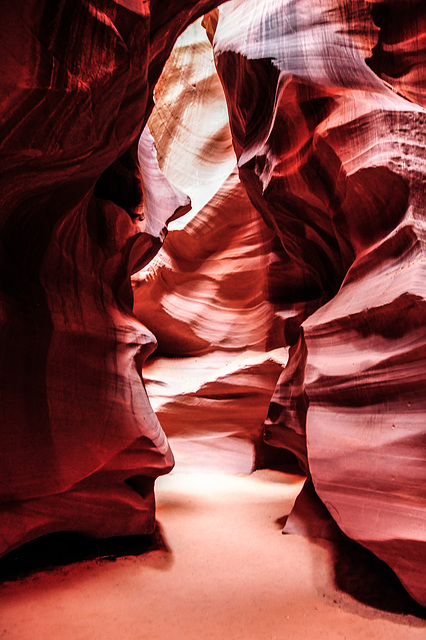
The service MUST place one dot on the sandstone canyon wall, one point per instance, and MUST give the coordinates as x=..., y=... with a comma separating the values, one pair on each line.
x=80, y=445
x=204, y=296
x=298, y=281
x=326, y=103
x=330, y=147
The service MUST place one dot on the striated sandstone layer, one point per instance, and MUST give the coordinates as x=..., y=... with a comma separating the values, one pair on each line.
x=326, y=108
x=204, y=298
x=326, y=112
x=82, y=206
x=205, y=295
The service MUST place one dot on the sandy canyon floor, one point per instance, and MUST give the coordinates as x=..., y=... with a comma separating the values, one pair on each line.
x=223, y=570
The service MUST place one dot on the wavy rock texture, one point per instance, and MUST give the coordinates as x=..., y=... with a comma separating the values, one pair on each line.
x=327, y=123
x=205, y=295
x=206, y=290
x=190, y=121
x=80, y=445
x=326, y=108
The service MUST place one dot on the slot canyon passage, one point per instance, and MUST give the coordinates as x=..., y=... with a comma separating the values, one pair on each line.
x=212, y=243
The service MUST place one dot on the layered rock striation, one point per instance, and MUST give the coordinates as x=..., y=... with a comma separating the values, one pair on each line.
x=326, y=111
x=80, y=445
x=205, y=295
x=299, y=283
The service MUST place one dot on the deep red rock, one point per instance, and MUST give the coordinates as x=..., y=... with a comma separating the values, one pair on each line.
x=335, y=162
x=326, y=109
x=77, y=428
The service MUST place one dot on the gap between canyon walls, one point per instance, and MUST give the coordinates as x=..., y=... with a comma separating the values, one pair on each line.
x=320, y=157
x=304, y=266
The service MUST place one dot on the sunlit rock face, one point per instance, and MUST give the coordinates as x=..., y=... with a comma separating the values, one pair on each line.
x=325, y=102
x=80, y=445
x=205, y=295
x=205, y=300
x=304, y=267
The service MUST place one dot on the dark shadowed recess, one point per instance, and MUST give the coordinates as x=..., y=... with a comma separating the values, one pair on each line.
x=67, y=547
x=398, y=21
x=268, y=457
x=362, y=575
x=357, y=571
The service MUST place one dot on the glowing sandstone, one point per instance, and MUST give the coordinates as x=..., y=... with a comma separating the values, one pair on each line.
x=326, y=103
x=204, y=296
x=80, y=445
x=334, y=159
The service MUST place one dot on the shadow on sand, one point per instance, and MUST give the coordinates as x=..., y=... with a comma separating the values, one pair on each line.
x=66, y=548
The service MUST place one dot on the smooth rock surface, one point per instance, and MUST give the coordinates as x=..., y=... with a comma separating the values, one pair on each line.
x=316, y=252
x=333, y=156
x=80, y=445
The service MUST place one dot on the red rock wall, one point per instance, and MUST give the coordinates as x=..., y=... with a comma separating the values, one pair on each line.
x=325, y=102
x=205, y=295
x=326, y=109
x=76, y=91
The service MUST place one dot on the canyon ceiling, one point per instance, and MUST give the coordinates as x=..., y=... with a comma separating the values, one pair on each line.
x=292, y=296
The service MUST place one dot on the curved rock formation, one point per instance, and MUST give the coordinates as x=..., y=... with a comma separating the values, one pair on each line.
x=80, y=445
x=205, y=295
x=205, y=299
x=334, y=160
x=326, y=108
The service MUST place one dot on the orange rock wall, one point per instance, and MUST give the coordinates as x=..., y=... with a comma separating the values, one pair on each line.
x=314, y=249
